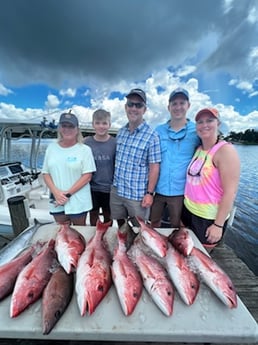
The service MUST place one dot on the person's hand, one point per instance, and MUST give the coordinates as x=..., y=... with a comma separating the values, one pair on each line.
x=213, y=233
x=147, y=200
x=60, y=198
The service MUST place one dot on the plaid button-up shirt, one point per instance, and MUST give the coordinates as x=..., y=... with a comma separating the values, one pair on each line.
x=134, y=153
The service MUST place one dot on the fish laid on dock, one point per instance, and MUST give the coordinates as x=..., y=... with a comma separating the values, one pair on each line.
x=155, y=279
x=32, y=280
x=214, y=277
x=184, y=280
x=56, y=298
x=126, y=278
x=10, y=271
x=69, y=246
x=182, y=241
x=152, y=238
x=93, y=274
x=19, y=243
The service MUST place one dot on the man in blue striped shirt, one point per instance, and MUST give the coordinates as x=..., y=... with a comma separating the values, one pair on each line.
x=138, y=158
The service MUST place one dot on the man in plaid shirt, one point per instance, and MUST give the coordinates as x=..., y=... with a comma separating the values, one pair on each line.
x=137, y=163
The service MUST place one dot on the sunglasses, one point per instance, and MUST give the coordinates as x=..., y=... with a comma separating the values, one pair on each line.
x=138, y=105
x=66, y=125
x=177, y=137
x=193, y=172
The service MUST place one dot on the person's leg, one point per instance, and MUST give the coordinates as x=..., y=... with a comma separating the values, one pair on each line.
x=61, y=218
x=94, y=212
x=79, y=219
x=175, y=205
x=94, y=216
x=117, y=207
x=157, y=210
x=105, y=206
x=134, y=209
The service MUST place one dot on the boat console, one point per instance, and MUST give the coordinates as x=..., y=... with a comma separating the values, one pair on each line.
x=15, y=180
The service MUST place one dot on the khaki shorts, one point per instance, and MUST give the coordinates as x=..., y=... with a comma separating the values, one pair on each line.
x=122, y=208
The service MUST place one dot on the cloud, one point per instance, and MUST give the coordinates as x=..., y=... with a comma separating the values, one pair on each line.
x=89, y=49
x=52, y=102
x=81, y=42
x=4, y=91
x=68, y=92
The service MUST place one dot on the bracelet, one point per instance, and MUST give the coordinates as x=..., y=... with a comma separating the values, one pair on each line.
x=150, y=193
x=218, y=226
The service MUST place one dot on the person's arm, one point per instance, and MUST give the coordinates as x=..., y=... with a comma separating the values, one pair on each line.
x=153, y=178
x=83, y=180
x=61, y=196
x=228, y=164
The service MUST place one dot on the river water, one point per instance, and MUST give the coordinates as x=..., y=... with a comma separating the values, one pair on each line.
x=242, y=236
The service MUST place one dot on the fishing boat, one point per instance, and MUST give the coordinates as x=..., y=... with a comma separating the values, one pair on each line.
x=19, y=183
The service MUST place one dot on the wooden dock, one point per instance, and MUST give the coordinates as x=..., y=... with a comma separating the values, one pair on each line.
x=245, y=281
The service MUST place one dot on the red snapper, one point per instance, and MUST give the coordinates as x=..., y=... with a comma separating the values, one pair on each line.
x=69, y=246
x=93, y=274
x=127, y=280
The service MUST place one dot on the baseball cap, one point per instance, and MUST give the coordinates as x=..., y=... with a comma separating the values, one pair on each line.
x=70, y=118
x=138, y=92
x=179, y=91
x=212, y=111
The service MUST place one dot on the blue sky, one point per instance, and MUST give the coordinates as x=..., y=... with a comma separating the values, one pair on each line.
x=87, y=54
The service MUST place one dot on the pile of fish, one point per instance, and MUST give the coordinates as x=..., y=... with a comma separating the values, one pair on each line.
x=162, y=265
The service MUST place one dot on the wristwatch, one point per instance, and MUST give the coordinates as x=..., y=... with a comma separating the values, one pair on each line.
x=68, y=195
x=151, y=193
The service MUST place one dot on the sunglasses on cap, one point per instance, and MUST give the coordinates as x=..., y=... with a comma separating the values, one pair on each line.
x=137, y=105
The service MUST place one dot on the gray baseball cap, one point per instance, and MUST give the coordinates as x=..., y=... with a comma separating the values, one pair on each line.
x=179, y=91
x=138, y=92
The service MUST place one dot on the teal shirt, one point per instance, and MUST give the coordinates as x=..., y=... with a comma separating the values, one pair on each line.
x=177, y=149
x=66, y=166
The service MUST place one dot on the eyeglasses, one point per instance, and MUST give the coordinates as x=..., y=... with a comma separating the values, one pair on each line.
x=196, y=167
x=137, y=105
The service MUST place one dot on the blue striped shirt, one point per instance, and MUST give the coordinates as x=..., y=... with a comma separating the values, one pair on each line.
x=134, y=152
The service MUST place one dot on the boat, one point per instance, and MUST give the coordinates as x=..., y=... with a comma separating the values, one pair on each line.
x=21, y=184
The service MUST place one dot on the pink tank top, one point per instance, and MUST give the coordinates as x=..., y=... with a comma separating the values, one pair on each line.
x=203, y=190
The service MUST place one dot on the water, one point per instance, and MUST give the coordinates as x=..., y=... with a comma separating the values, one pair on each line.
x=242, y=236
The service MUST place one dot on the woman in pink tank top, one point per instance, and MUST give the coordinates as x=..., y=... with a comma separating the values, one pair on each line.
x=212, y=181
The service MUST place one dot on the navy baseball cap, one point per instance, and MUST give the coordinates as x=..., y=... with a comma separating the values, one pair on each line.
x=179, y=91
x=138, y=92
x=70, y=118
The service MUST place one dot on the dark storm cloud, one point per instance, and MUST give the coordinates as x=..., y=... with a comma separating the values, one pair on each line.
x=72, y=41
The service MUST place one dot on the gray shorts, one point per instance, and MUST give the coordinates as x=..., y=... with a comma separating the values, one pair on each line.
x=122, y=208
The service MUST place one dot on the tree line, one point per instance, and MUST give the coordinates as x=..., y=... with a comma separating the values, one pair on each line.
x=250, y=136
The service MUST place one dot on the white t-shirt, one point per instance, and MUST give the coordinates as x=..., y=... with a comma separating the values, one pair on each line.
x=66, y=165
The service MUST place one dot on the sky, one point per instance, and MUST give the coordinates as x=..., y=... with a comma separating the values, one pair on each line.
x=88, y=54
